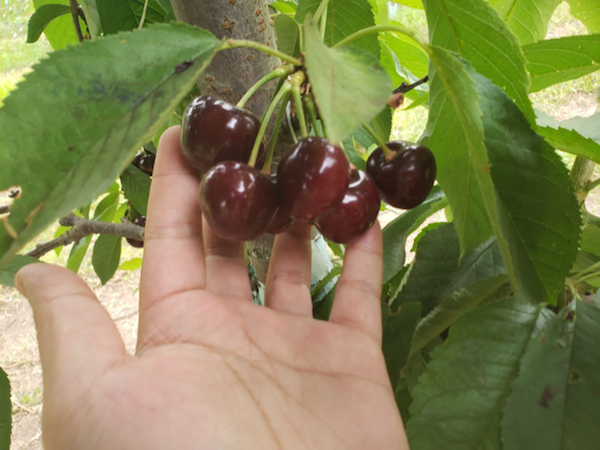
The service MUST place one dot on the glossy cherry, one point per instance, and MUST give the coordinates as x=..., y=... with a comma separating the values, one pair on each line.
x=356, y=213
x=406, y=179
x=282, y=219
x=213, y=131
x=238, y=201
x=139, y=221
x=312, y=178
x=146, y=164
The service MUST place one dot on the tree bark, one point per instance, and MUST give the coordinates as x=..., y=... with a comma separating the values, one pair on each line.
x=234, y=71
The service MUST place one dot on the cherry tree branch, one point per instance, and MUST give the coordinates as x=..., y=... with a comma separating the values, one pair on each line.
x=81, y=228
x=404, y=87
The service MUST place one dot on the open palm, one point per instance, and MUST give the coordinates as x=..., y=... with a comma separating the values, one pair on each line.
x=213, y=370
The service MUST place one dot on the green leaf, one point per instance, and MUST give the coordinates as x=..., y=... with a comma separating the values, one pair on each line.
x=452, y=307
x=381, y=125
x=579, y=135
x=558, y=60
x=554, y=400
x=350, y=88
x=438, y=271
x=455, y=135
x=590, y=239
x=106, y=257
x=458, y=401
x=42, y=17
x=5, y=411
x=78, y=252
x=398, y=329
x=136, y=186
x=572, y=142
x=105, y=210
x=344, y=17
x=472, y=29
x=72, y=127
x=410, y=56
x=286, y=7
x=539, y=213
x=288, y=35
x=588, y=12
x=125, y=15
x=132, y=264
x=61, y=31
x=418, y=4
x=59, y=232
x=527, y=19
x=7, y=273
x=397, y=231
x=90, y=10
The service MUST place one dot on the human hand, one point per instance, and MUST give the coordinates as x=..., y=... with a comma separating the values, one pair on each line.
x=212, y=370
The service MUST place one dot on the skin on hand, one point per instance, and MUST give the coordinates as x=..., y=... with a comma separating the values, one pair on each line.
x=212, y=370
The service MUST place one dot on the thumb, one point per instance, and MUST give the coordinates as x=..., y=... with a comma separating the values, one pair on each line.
x=75, y=333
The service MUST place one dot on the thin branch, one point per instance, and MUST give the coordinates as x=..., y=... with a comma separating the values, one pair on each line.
x=82, y=228
x=4, y=209
x=404, y=88
x=75, y=15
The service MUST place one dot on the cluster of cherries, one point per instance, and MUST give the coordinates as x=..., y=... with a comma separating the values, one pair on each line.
x=314, y=182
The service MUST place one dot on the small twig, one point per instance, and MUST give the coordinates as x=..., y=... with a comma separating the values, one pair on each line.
x=82, y=228
x=24, y=408
x=75, y=15
x=404, y=88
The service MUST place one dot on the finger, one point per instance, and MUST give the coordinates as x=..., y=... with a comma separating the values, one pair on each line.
x=75, y=333
x=226, y=270
x=358, y=293
x=288, y=279
x=173, y=252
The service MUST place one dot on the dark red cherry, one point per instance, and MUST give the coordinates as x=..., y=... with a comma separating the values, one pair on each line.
x=312, y=178
x=238, y=201
x=282, y=219
x=213, y=131
x=356, y=213
x=405, y=180
x=141, y=222
x=146, y=163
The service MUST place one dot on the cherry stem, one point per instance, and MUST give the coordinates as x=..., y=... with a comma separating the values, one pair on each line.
x=382, y=28
x=283, y=71
x=237, y=43
x=310, y=106
x=285, y=90
x=386, y=150
x=278, y=122
x=297, y=81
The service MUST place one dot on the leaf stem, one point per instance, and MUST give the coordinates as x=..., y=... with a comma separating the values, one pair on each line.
x=381, y=28
x=285, y=90
x=283, y=71
x=583, y=273
x=280, y=115
x=243, y=43
x=386, y=150
x=143, y=18
x=322, y=8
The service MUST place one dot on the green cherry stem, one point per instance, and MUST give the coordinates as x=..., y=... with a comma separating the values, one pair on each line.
x=386, y=150
x=310, y=107
x=321, y=9
x=243, y=43
x=280, y=115
x=285, y=90
x=283, y=71
x=382, y=28
x=300, y=110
